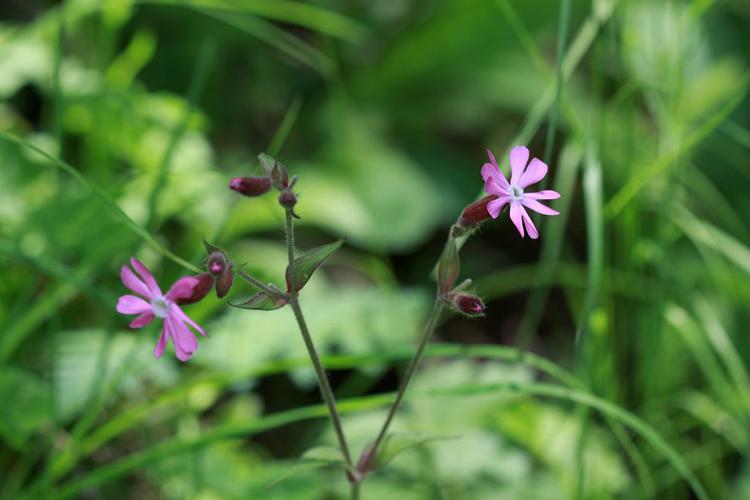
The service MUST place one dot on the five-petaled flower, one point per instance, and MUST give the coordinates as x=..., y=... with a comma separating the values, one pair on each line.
x=150, y=303
x=513, y=193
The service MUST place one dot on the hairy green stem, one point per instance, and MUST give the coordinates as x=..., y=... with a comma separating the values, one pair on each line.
x=255, y=282
x=323, y=384
x=432, y=320
x=290, y=238
x=325, y=387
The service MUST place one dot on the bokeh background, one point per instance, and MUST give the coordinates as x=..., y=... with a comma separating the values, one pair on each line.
x=613, y=359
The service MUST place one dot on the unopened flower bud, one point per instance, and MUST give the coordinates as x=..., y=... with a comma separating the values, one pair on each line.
x=448, y=267
x=224, y=282
x=201, y=287
x=280, y=176
x=476, y=213
x=251, y=186
x=275, y=170
x=217, y=263
x=287, y=199
x=470, y=305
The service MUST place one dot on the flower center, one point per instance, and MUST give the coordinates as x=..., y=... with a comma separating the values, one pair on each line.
x=515, y=192
x=160, y=306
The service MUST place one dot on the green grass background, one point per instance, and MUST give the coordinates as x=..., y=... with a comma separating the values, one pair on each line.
x=613, y=359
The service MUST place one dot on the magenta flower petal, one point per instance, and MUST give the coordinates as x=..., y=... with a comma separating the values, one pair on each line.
x=130, y=280
x=530, y=227
x=547, y=194
x=181, y=338
x=146, y=276
x=492, y=158
x=492, y=187
x=492, y=171
x=162, y=343
x=519, y=156
x=535, y=172
x=516, y=215
x=496, y=206
x=538, y=207
x=180, y=315
x=130, y=304
x=142, y=320
x=182, y=288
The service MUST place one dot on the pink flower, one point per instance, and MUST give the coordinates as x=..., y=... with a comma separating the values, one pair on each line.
x=513, y=193
x=150, y=303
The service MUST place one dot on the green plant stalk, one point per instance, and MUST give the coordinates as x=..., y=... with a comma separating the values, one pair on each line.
x=323, y=384
x=325, y=387
x=255, y=282
x=432, y=321
x=562, y=38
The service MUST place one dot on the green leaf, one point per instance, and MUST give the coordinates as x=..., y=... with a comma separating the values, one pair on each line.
x=263, y=301
x=27, y=405
x=314, y=458
x=302, y=269
x=395, y=444
x=210, y=248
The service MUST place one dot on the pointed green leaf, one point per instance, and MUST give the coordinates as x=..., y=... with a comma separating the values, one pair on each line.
x=211, y=248
x=304, y=266
x=314, y=458
x=395, y=444
x=263, y=301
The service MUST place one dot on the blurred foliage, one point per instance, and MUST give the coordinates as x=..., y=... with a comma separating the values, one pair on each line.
x=145, y=109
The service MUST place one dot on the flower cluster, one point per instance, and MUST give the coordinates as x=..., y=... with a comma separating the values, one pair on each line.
x=149, y=302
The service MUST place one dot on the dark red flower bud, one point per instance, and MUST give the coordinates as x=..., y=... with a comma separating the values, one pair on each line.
x=224, y=282
x=287, y=199
x=476, y=213
x=217, y=263
x=251, y=186
x=468, y=304
x=200, y=289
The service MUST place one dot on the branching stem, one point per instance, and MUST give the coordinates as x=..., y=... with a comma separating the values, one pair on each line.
x=324, y=385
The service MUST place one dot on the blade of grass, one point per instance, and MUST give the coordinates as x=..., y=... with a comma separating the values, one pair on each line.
x=603, y=406
x=663, y=162
x=570, y=161
x=130, y=417
x=593, y=203
x=562, y=40
x=306, y=15
x=294, y=47
x=570, y=275
x=290, y=117
x=686, y=327
x=725, y=349
x=592, y=197
x=108, y=202
x=40, y=310
x=175, y=446
x=575, y=52
x=709, y=236
x=195, y=87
